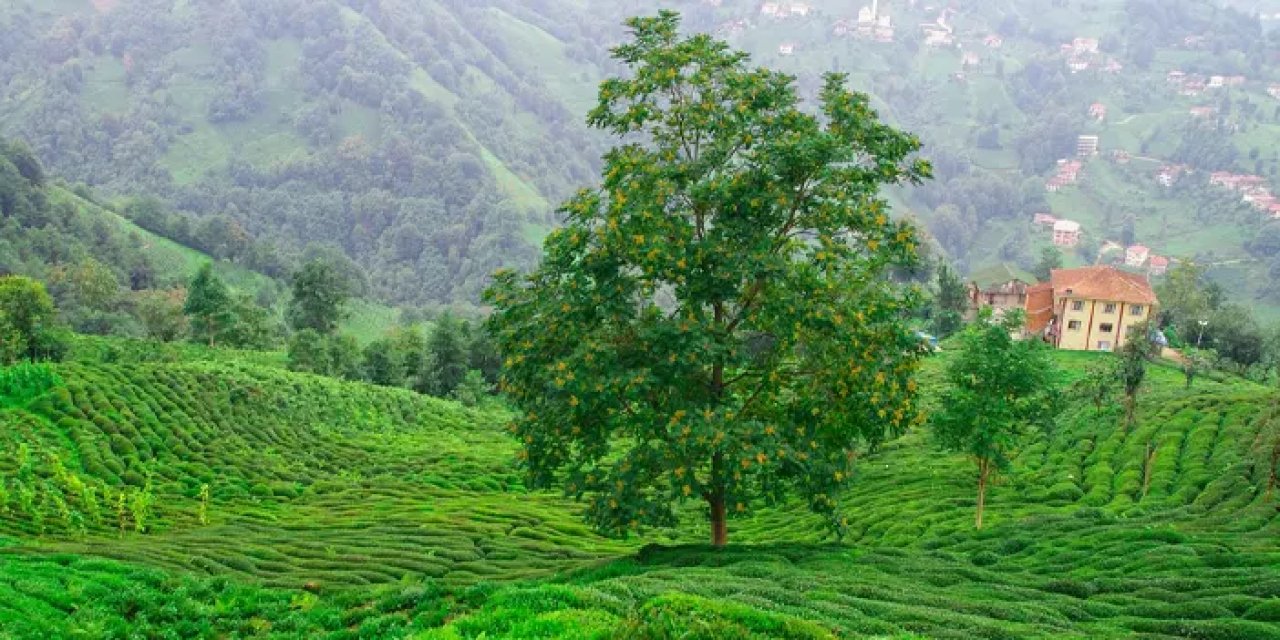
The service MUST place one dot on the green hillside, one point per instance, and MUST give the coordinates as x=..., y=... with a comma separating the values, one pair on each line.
x=286, y=505
x=430, y=141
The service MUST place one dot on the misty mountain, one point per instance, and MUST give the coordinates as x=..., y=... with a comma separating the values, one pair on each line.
x=430, y=140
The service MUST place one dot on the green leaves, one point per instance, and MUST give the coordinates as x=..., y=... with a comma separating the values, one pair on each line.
x=27, y=316
x=998, y=386
x=716, y=322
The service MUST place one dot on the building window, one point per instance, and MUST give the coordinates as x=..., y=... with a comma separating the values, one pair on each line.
x=1137, y=309
x=1106, y=327
x=1109, y=308
x=1078, y=305
x=1073, y=325
x=1104, y=345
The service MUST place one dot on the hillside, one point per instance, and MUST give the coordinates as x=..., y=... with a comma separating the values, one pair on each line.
x=286, y=505
x=430, y=140
x=65, y=236
x=1000, y=91
x=426, y=139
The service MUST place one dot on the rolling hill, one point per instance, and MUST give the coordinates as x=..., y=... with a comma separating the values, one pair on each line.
x=277, y=504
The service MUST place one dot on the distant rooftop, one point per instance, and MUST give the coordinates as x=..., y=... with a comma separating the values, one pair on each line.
x=1000, y=274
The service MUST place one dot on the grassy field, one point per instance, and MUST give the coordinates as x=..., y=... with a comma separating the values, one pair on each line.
x=283, y=505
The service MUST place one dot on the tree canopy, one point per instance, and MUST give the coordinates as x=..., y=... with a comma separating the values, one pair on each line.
x=320, y=293
x=715, y=323
x=26, y=316
x=998, y=386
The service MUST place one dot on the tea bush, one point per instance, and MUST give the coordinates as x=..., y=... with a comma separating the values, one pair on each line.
x=255, y=502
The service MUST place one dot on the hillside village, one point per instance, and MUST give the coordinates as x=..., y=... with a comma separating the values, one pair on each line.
x=981, y=51
x=1084, y=309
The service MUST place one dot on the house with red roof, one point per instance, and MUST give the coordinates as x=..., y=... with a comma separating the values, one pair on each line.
x=1136, y=255
x=1091, y=308
x=1157, y=266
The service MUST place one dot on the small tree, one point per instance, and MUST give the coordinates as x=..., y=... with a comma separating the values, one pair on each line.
x=208, y=304
x=410, y=349
x=1133, y=369
x=27, y=315
x=715, y=323
x=161, y=313
x=320, y=294
x=382, y=365
x=1098, y=385
x=1050, y=259
x=472, y=389
x=251, y=325
x=1194, y=361
x=950, y=303
x=446, y=356
x=309, y=353
x=997, y=387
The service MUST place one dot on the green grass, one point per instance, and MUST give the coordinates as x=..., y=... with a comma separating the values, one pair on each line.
x=367, y=320
x=341, y=510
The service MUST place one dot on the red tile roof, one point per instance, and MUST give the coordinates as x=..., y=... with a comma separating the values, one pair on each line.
x=1102, y=283
x=1039, y=307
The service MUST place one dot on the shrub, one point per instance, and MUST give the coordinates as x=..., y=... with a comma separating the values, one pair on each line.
x=984, y=558
x=1265, y=611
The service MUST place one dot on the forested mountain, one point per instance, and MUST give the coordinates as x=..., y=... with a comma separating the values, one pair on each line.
x=426, y=139
x=430, y=140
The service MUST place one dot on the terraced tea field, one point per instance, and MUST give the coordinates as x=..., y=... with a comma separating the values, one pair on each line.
x=204, y=498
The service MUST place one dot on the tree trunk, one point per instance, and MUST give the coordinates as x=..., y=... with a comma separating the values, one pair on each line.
x=1146, y=468
x=984, y=470
x=1130, y=411
x=715, y=503
x=719, y=523
x=1275, y=462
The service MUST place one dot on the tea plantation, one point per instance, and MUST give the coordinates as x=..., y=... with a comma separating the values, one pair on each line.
x=216, y=497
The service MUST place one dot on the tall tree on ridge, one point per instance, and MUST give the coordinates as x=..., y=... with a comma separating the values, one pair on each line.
x=715, y=323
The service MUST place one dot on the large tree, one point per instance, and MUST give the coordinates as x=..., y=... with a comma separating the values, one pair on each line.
x=320, y=294
x=1050, y=259
x=998, y=386
x=208, y=304
x=715, y=323
x=446, y=356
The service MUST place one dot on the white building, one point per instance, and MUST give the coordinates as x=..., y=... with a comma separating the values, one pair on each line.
x=1087, y=146
x=1136, y=256
x=1066, y=233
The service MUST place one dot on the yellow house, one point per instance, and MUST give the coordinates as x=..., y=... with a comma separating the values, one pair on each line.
x=1092, y=308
